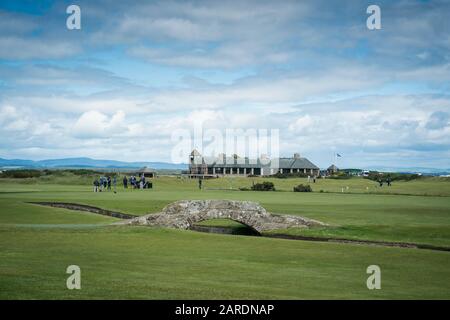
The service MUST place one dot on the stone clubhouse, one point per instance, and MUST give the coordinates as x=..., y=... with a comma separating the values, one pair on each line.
x=222, y=165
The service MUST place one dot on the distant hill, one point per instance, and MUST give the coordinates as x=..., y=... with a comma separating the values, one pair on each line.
x=87, y=163
x=96, y=163
x=422, y=170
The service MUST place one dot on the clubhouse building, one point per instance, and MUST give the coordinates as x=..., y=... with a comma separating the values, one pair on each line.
x=200, y=166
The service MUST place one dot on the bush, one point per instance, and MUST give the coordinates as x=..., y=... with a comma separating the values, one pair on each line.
x=376, y=176
x=82, y=172
x=290, y=175
x=302, y=188
x=21, y=174
x=340, y=175
x=264, y=186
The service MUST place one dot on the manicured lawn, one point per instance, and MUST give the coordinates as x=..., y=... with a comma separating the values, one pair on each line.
x=37, y=243
x=434, y=186
x=15, y=212
x=147, y=263
x=384, y=217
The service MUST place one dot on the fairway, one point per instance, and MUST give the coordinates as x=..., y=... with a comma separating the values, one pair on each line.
x=38, y=243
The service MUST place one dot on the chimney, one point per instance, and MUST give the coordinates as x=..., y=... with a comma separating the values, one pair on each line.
x=296, y=155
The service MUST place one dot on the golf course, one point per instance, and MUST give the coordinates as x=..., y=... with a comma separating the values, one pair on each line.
x=140, y=262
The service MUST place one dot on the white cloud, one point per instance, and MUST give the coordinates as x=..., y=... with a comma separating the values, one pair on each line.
x=314, y=68
x=301, y=124
x=19, y=48
x=12, y=120
x=94, y=124
x=370, y=127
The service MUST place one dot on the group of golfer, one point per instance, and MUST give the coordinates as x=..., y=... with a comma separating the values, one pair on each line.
x=104, y=183
x=135, y=183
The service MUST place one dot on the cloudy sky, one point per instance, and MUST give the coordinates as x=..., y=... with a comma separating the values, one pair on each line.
x=139, y=70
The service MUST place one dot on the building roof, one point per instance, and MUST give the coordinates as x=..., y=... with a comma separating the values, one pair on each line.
x=146, y=170
x=229, y=162
x=296, y=163
x=333, y=167
x=239, y=162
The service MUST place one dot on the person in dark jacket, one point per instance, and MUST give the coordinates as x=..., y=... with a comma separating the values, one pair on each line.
x=101, y=184
x=96, y=185
x=125, y=182
x=380, y=182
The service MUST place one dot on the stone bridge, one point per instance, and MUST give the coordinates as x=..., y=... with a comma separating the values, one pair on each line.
x=185, y=213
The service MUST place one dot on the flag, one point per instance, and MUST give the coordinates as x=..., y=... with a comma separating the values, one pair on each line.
x=337, y=154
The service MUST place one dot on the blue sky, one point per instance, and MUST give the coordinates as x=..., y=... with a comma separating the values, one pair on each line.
x=139, y=70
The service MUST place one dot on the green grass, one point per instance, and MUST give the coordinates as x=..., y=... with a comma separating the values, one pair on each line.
x=434, y=186
x=147, y=263
x=404, y=218
x=428, y=186
x=37, y=243
x=17, y=213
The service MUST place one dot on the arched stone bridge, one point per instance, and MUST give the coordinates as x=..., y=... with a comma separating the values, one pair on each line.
x=185, y=213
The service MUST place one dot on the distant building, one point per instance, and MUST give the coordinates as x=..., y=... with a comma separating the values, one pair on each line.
x=147, y=172
x=332, y=169
x=200, y=166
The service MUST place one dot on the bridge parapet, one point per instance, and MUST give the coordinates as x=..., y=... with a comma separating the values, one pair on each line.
x=184, y=214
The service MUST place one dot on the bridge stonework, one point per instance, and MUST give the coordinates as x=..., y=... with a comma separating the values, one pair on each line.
x=185, y=213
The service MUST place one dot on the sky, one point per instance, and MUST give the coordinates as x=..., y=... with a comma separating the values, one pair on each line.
x=138, y=71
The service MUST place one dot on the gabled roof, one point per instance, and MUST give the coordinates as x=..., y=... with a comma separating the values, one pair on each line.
x=296, y=163
x=146, y=170
x=333, y=167
x=235, y=161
